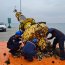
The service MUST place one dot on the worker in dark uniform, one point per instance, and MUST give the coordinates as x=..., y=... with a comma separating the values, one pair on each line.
x=13, y=43
x=59, y=38
x=29, y=50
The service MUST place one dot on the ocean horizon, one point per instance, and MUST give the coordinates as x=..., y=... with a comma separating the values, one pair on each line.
x=59, y=26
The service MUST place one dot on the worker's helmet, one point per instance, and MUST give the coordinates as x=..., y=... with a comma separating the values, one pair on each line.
x=19, y=33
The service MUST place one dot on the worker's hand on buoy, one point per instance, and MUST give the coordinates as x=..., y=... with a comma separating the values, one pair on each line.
x=22, y=45
x=20, y=42
x=45, y=38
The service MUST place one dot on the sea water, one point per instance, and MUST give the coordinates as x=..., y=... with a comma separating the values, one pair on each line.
x=59, y=26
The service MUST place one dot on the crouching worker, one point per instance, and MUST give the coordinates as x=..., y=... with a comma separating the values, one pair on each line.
x=59, y=38
x=14, y=43
x=29, y=50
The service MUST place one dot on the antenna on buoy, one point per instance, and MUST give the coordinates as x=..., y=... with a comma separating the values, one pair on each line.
x=20, y=5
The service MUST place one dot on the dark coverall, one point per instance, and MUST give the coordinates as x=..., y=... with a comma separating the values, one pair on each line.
x=59, y=38
x=13, y=44
x=29, y=50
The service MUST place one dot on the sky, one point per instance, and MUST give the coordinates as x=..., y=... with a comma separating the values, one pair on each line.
x=50, y=11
